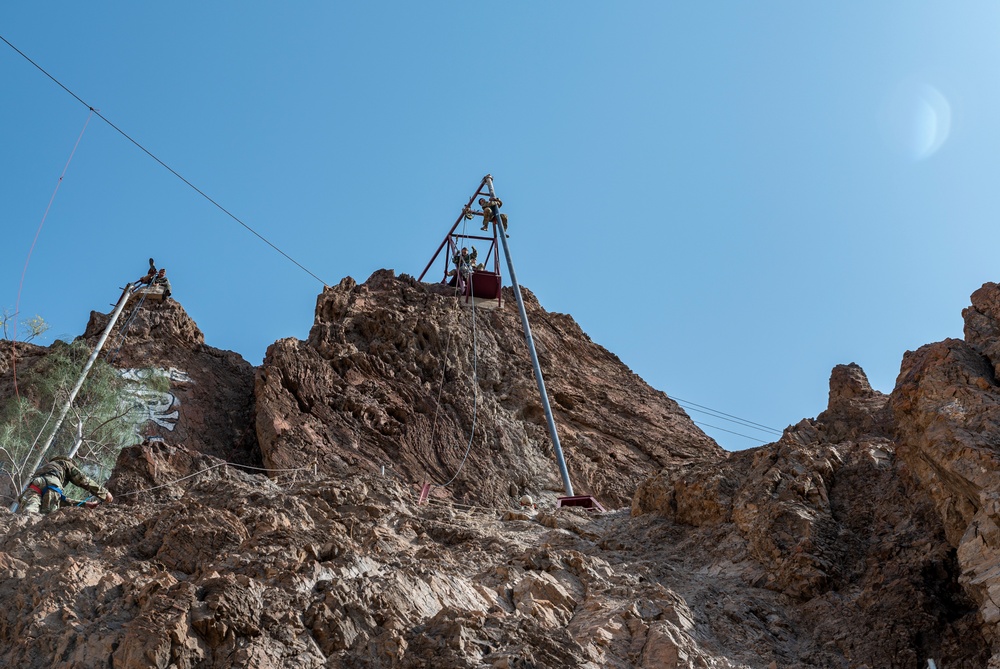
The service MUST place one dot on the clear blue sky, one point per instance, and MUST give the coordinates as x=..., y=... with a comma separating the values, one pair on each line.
x=733, y=197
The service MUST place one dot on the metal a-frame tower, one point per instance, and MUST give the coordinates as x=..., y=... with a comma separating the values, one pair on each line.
x=482, y=288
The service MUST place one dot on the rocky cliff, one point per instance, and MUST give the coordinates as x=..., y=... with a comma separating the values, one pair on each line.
x=209, y=404
x=399, y=374
x=276, y=524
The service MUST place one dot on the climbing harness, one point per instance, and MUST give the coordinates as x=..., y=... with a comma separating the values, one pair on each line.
x=57, y=490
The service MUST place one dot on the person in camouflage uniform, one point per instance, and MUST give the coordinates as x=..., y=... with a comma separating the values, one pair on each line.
x=162, y=280
x=45, y=492
x=147, y=279
x=465, y=263
x=491, y=210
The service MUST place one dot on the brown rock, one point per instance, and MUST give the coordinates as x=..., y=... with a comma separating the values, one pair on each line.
x=387, y=378
x=866, y=537
x=209, y=405
x=830, y=518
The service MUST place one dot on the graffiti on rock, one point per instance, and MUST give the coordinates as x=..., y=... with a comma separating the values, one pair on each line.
x=161, y=407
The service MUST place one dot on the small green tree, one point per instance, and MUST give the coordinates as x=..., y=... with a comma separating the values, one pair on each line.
x=105, y=417
x=34, y=327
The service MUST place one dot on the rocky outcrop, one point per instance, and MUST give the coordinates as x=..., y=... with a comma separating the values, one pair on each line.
x=947, y=409
x=833, y=520
x=16, y=359
x=865, y=537
x=229, y=568
x=906, y=485
x=209, y=404
x=398, y=374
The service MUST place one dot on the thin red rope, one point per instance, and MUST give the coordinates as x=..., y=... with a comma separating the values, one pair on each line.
x=20, y=286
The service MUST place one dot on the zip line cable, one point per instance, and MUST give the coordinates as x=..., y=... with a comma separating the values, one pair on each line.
x=162, y=164
x=93, y=111
x=24, y=270
x=721, y=414
x=738, y=421
x=716, y=427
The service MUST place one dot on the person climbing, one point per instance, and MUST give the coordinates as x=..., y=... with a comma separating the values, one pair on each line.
x=45, y=492
x=162, y=280
x=491, y=211
x=149, y=276
x=465, y=259
x=464, y=264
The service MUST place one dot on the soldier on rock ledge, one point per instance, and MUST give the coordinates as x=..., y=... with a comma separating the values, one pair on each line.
x=162, y=280
x=148, y=277
x=45, y=492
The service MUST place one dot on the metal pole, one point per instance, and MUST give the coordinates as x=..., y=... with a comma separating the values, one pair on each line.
x=531, y=349
x=79, y=384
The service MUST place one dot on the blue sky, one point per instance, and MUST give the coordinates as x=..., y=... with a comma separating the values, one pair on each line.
x=733, y=197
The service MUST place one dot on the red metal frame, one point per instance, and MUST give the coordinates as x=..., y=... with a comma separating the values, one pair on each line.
x=493, y=252
x=485, y=189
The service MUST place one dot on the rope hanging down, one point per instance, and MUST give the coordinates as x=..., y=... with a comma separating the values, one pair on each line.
x=24, y=270
x=475, y=400
x=216, y=466
x=162, y=164
x=475, y=378
x=123, y=331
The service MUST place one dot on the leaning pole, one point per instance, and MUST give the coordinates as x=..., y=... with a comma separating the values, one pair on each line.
x=531, y=351
x=79, y=384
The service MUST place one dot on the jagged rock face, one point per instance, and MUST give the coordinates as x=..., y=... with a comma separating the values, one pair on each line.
x=829, y=517
x=866, y=537
x=232, y=569
x=982, y=327
x=209, y=405
x=855, y=410
x=947, y=407
x=19, y=358
x=395, y=373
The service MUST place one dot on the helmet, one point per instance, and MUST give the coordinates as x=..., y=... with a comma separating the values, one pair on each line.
x=526, y=500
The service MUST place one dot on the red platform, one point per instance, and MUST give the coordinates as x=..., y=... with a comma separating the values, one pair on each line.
x=485, y=285
x=584, y=501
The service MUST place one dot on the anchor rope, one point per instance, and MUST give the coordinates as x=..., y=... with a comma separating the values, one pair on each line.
x=24, y=270
x=459, y=281
x=202, y=471
x=163, y=164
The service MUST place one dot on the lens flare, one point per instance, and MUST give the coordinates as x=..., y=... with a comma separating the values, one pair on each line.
x=917, y=119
